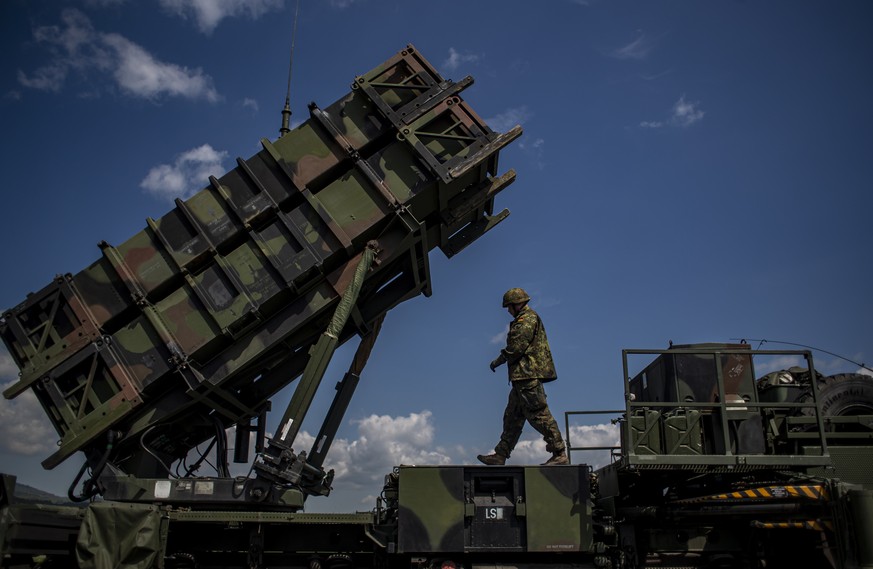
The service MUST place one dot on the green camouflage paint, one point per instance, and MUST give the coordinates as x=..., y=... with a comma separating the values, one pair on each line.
x=474, y=509
x=558, y=509
x=237, y=282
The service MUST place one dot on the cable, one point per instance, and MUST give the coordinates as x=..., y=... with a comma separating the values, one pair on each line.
x=242, y=479
x=196, y=466
x=215, y=468
x=155, y=456
x=71, y=491
x=89, y=487
x=223, y=469
x=762, y=342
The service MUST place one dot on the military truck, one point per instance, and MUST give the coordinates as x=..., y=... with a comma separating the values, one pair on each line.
x=717, y=467
x=188, y=329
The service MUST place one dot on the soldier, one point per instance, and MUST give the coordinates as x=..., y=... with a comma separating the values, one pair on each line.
x=529, y=361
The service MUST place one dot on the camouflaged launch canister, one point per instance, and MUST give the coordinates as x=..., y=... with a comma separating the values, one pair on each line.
x=212, y=308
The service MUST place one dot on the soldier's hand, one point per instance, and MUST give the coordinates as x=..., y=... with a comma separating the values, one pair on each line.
x=494, y=365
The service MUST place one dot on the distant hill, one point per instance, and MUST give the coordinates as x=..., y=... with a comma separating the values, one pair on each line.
x=31, y=495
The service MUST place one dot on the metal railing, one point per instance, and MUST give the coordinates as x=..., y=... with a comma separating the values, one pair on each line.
x=722, y=417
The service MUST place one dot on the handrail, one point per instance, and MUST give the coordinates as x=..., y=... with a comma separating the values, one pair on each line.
x=722, y=415
x=570, y=447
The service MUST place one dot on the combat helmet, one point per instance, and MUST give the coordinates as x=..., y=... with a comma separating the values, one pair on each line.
x=515, y=296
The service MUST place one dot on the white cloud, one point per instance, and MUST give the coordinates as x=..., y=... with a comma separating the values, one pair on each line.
x=766, y=364
x=249, y=103
x=209, y=13
x=529, y=451
x=508, y=119
x=500, y=339
x=75, y=38
x=25, y=427
x=382, y=443
x=140, y=74
x=686, y=113
x=73, y=47
x=456, y=59
x=535, y=151
x=360, y=464
x=602, y=435
x=637, y=49
x=8, y=369
x=46, y=78
x=826, y=366
x=186, y=175
x=77, y=47
x=342, y=4
x=533, y=450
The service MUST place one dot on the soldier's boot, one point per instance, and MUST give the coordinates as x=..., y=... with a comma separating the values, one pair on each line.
x=559, y=457
x=492, y=459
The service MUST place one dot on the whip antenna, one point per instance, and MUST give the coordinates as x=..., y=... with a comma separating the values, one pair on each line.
x=286, y=112
x=762, y=342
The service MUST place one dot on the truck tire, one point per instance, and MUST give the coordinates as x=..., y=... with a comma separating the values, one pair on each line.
x=846, y=394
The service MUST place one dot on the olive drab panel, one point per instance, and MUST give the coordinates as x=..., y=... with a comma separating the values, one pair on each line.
x=508, y=509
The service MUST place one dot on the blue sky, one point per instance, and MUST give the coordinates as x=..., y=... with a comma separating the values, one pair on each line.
x=690, y=171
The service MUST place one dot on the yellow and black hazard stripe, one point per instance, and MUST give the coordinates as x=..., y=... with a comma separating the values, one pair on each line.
x=815, y=492
x=816, y=525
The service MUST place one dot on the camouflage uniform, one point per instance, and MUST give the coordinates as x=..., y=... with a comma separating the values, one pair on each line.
x=529, y=362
